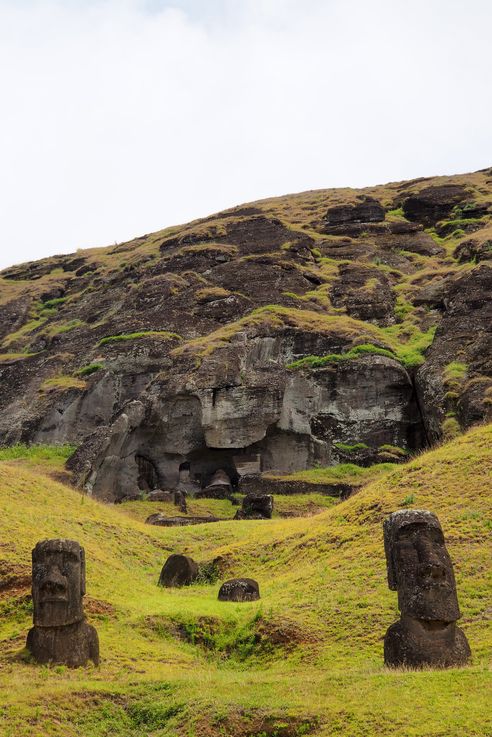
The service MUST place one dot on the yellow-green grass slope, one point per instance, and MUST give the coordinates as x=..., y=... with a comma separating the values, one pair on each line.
x=306, y=659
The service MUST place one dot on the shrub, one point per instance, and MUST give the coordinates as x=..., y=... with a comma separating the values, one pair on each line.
x=408, y=500
x=450, y=427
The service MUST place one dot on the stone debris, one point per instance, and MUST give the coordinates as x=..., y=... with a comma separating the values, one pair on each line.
x=161, y=520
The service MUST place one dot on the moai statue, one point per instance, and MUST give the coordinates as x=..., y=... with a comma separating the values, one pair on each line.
x=239, y=589
x=178, y=570
x=256, y=506
x=180, y=501
x=60, y=633
x=420, y=569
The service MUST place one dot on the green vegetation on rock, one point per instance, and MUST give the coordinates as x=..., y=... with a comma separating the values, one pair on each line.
x=164, y=334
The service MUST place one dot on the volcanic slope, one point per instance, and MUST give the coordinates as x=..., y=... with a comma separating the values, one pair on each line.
x=306, y=659
x=280, y=329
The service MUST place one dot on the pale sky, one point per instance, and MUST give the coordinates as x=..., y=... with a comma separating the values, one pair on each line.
x=120, y=117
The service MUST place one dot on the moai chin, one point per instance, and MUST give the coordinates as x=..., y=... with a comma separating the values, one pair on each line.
x=60, y=633
x=420, y=569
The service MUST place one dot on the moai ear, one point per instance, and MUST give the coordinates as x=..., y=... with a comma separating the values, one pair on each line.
x=82, y=572
x=389, y=550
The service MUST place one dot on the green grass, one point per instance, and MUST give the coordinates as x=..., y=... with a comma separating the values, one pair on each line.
x=455, y=372
x=164, y=334
x=177, y=663
x=333, y=358
x=347, y=473
x=6, y=357
x=53, y=302
x=90, y=369
x=62, y=383
x=411, y=352
x=45, y=455
x=347, y=448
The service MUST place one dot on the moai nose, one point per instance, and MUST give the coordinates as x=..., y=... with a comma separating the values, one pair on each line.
x=431, y=564
x=55, y=583
x=437, y=570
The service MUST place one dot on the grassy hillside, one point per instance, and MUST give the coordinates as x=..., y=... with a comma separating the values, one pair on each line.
x=306, y=659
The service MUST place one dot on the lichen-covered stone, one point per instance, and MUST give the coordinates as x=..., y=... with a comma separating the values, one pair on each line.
x=256, y=506
x=239, y=589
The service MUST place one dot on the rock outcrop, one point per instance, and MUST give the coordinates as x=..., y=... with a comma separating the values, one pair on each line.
x=272, y=337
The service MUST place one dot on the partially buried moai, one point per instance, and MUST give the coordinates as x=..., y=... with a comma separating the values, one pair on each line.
x=60, y=633
x=420, y=569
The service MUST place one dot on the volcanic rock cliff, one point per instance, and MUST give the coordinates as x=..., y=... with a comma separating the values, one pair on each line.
x=309, y=329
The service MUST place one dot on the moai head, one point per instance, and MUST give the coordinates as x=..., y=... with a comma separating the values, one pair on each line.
x=419, y=566
x=58, y=583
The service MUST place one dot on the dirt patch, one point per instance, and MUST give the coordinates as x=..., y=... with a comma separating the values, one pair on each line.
x=96, y=607
x=15, y=580
x=242, y=723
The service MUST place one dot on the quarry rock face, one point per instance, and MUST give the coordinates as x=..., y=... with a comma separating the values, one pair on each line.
x=434, y=203
x=243, y=402
x=366, y=210
x=420, y=569
x=239, y=589
x=464, y=337
x=60, y=633
x=200, y=349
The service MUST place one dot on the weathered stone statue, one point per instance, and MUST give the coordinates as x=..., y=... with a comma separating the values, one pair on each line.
x=420, y=569
x=239, y=589
x=256, y=506
x=178, y=570
x=60, y=633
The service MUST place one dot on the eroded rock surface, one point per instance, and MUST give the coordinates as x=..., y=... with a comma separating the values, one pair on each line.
x=244, y=402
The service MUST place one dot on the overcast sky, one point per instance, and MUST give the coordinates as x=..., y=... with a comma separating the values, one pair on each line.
x=120, y=117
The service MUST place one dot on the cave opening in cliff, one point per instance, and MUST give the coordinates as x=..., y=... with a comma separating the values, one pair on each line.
x=202, y=466
x=148, y=476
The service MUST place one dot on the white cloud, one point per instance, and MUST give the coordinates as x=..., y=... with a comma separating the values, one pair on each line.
x=124, y=116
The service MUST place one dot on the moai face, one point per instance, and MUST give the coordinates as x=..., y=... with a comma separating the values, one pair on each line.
x=58, y=583
x=419, y=566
